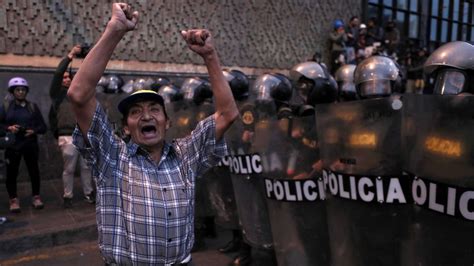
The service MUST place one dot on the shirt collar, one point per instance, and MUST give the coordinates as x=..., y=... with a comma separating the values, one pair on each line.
x=134, y=149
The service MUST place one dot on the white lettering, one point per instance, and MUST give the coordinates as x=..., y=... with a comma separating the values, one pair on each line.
x=420, y=198
x=464, y=205
x=432, y=200
x=310, y=195
x=379, y=186
x=451, y=201
x=243, y=170
x=322, y=192
x=257, y=164
x=279, y=193
x=395, y=191
x=343, y=194
x=298, y=191
x=269, y=186
x=353, y=188
x=365, y=182
x=333, y=183
x=289, y=196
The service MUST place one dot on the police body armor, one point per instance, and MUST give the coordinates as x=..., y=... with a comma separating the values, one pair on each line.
x=295, y=194
x=366, y=206
x=439, y=159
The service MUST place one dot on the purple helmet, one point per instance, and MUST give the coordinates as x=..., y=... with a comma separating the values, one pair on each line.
x=15, y=82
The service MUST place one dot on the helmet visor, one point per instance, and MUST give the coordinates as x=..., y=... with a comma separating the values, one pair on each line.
x=450, y=82
x=373, y=88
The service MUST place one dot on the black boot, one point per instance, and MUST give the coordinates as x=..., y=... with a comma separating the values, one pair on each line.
x=234, y=244
x=209, y=227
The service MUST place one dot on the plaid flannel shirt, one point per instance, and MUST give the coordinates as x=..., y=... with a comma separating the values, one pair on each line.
x=145, y=209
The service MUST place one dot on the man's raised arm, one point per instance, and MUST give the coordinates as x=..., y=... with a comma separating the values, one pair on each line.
x=200, y=41
x=82, y=90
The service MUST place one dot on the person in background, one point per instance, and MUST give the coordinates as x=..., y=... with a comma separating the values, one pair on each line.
x=352, y=31
x=62, y=122
x=338, y=39
x=415, y=76
x=374, y=33
x=391, y=38
x=24, y=119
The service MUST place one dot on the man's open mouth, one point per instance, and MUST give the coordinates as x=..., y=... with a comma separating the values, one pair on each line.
x=149, y=130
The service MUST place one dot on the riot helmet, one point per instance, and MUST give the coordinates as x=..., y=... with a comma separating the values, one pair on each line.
x=17, y=82
x=196, y=90
x=314, y=85
x=128, y=86
x=139, y=84
x=238, y=82
x=102, y=84
x=452, y=66
x=377, y=76
x=170, y=93
x=270, y=87
x=345, y=83
x=273, y=88
x=158, y=82
x=114, y=84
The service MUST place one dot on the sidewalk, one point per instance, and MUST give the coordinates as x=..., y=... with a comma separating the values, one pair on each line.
x=39, y=237
x=51, y=226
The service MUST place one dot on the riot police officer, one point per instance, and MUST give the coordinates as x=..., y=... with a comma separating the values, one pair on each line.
x=345, y=83
x=314, y=85
x=452, y=66
x=377, y=76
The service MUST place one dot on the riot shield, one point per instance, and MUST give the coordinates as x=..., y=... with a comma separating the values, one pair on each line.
x=246, y=161
x=437, y=131
x=221, y=189
x=182, y=119
x=295, y=194
x=109, y=102
x=366, y=206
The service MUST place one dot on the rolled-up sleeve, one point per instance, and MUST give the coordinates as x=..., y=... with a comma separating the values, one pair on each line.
x=102, y=147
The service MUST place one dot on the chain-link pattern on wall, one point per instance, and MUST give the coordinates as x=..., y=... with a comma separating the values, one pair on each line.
x=248, y=33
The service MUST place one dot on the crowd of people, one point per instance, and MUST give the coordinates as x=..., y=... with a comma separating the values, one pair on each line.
x=355, y=41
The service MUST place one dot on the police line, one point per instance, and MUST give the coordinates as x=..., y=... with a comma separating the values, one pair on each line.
x=443, y=198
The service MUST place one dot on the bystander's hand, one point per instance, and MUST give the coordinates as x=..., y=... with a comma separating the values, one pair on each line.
x=14, y=128
x=29, y=132
x=74, y=51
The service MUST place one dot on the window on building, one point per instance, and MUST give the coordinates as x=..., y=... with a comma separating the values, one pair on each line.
x=450, y=20
x=434, y=22
x=405, y=13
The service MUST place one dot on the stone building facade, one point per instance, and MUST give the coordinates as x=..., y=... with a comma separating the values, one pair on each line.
x=255, y=36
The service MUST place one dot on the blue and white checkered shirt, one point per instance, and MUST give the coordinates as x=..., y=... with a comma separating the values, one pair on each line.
x=145, y=209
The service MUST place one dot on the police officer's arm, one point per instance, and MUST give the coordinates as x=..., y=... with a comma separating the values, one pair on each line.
x=200, y=41
x=82, y=90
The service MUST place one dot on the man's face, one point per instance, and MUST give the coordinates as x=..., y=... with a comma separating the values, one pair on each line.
x=20, y=93
x=66, y=79
x=146, y=124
